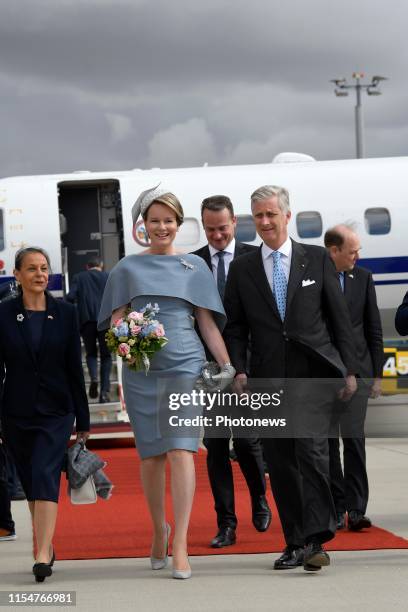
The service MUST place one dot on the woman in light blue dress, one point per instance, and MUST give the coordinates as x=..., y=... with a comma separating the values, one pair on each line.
x=184, y=289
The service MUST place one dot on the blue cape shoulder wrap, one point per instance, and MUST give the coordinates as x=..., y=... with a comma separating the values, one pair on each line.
x=181, y=276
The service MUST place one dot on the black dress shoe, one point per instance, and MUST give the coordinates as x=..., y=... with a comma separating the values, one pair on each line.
x=41, y=571
x=315, y=557
x=341, y=520
x=290, y=558
x=261, y=513
x=93, y=389
x=233, y=455
x=357, y=521
x=225, y=537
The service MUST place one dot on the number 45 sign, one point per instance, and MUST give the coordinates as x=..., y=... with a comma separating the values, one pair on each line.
x=396, y=362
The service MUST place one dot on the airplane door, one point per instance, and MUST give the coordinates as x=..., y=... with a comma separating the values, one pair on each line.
x=79, y=207
x=90, y=224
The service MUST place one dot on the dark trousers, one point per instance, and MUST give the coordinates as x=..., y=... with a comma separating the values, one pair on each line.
x=91, y=336
x=300, y=481
x=298, y=463
x=14, y=484
x=250, y=459
x=6, y=521
x=350, y=489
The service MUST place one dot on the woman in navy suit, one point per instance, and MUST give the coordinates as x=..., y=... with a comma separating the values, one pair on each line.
x=42, y=392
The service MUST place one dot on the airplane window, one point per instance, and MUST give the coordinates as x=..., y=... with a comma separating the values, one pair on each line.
x=1, y=231
x=188, y=234
x=245, y=230
x=309, y=224
x=377, y=221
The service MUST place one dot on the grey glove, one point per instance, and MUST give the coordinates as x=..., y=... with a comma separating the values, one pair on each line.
x=225, y=376
x=214, y=378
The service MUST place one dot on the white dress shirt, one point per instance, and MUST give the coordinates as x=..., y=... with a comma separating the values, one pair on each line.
x=228, y=257
x=286, y=257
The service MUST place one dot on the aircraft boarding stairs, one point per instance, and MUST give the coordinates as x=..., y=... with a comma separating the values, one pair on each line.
x=108, y=413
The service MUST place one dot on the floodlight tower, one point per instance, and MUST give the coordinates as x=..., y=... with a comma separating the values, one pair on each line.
x=372, y=90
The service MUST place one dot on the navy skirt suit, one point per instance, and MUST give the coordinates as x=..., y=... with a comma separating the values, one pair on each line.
x=42, y=391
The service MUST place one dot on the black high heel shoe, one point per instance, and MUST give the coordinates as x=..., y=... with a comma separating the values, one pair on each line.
x=42, y=571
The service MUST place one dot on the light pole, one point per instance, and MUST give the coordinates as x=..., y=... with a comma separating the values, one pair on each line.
x=372, y=89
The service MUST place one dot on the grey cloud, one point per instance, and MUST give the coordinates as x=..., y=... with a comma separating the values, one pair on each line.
x=120, y=125
x=184, y=144
x=104, y=84
x=127, y=43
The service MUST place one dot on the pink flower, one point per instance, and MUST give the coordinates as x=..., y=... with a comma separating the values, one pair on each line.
x=118, y=322
x=159, y=331
x=135, y=316
x=123, y=349
x=135, y=330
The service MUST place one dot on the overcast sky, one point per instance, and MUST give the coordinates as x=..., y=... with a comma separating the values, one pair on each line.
x=120, y=84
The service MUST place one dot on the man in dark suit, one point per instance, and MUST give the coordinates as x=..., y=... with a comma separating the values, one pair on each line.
x=87, y=290
x=219, y=222
x=283, y=296
x=7, y=527
x=401, y=317
x=350, y=491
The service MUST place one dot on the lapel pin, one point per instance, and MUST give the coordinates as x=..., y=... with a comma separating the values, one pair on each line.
x=20, y=317
x=50, y=317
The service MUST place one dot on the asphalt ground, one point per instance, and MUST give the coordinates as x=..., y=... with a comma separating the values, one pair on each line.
x=359, y=580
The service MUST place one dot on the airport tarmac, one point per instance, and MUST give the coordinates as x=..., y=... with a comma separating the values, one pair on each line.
x=363, y=580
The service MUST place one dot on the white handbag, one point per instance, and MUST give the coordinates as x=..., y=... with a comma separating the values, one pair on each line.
x=85, y=494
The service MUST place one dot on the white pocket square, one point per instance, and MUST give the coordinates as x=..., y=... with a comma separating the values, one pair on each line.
x=306, y=283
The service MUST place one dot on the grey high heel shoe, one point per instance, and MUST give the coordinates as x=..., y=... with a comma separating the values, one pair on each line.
x=181, y=574
x=158, y=564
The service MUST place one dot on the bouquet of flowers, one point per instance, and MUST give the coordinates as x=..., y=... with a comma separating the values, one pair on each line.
x=136, y=337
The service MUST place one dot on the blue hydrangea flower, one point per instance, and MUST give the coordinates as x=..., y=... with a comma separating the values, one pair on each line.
x=150, y=311
x=121, y=330
x=148, y=329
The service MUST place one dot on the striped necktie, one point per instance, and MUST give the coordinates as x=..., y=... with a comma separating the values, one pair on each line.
x=341, y=279
x=279, y=283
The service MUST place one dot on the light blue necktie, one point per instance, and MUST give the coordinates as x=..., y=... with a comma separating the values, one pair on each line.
x=279, y=283
x=341, y=279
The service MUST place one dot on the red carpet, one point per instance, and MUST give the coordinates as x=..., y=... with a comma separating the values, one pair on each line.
x=120, y=527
